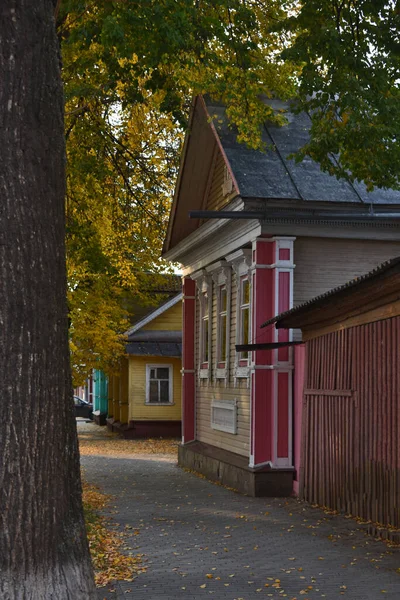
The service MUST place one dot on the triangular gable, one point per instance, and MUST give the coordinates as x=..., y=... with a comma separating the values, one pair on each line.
x=205, y=178
x=154, y=314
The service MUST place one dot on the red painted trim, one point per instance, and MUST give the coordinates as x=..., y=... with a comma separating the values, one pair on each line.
x=265, y=253
x=283, y=415
x=262, y=409
x=283, y=306
x=299, y=375
x=284, y=254
x=188, y=361
x=262, y=381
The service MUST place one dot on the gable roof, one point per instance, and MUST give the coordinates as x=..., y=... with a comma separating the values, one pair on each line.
x=153, y=290
x=257, y=175
x=271, y=175
x=154, y=314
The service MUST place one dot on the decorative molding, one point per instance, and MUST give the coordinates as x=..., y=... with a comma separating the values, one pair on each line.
x=204, y=373
x=221, y=274
x=206, y=230
x=241, y=263
x=204, y=286
x=235, y=235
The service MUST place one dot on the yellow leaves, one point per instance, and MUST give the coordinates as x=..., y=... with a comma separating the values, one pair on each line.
x=108, y=562
x=109, y=444
x=203, y=586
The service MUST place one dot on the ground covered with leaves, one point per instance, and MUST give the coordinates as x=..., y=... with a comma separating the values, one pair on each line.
x=106, y=546
x=112, y=558
x=101, y=442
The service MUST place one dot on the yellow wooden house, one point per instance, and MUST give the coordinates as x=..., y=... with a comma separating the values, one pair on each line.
x=145, y=398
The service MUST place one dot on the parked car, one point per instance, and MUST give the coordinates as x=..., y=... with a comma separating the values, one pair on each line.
x=83, y=408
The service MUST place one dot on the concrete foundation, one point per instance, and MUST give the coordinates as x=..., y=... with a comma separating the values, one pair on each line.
x=232, y=470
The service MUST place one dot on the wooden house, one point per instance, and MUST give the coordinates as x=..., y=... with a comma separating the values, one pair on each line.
x=145, y=398
x=292, y=232
x=349, y=453
x=98, y=385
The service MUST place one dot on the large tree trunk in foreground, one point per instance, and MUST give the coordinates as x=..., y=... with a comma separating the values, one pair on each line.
x=43, y=547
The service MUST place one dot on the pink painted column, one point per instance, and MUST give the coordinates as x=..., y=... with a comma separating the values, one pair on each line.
x=299, y=376
x=188, y=365
x=271, y=370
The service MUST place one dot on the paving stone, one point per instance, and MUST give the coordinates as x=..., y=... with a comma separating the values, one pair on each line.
x=190, y=527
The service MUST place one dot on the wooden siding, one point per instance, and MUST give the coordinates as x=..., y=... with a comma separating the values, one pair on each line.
x=351, y=454
x=216, y=198
x=325, y=263
x=124, y=391
x=138, y=410
x=170, y=320
x=206, y=391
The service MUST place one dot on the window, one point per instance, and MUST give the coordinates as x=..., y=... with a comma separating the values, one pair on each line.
x=222, y=326
x=203, y=321
x=221, y=275
x=244, y=318
x=159, y=384
x=205, y=330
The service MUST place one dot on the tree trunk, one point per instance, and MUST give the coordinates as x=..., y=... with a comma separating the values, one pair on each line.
x=43, y=548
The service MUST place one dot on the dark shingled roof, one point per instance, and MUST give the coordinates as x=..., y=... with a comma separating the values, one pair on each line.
x=271, y=175
x=342, y=290
x=154, y=349
x=155, y=335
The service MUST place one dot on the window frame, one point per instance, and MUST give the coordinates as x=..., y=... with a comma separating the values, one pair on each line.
x=205, y=315
x=204, y=292
x=221, y=361
x=221, y=273
x=149, y=367
x=244, y=361
x=241, y=261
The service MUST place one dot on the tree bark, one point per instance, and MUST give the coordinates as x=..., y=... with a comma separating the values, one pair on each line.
x=43, y=548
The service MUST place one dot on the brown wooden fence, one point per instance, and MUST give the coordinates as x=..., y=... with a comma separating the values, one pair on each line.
x=351, y=445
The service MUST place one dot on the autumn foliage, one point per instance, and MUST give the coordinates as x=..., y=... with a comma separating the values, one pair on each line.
x=106, y=545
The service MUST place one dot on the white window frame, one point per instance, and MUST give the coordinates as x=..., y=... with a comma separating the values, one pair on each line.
x=243, y=306
x=170, y=368
x=204, y=295
x=220, y=314
x=241, y=262
x=205, y=317
x=222, y=278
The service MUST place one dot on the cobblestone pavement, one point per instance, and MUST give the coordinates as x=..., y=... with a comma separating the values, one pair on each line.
x=203, y=541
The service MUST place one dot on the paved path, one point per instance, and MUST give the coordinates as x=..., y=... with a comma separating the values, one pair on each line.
x=254, y=548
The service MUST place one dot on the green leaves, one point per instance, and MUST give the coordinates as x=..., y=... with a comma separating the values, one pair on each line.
x=350, y=86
